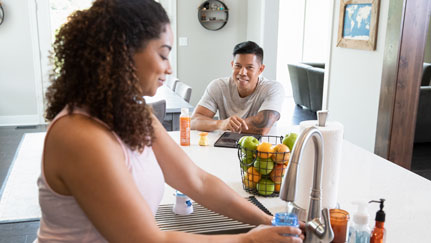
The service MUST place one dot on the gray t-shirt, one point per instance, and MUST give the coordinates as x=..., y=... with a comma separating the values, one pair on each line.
x=222, y=95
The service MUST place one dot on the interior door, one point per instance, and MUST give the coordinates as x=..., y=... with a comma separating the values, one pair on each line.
x=402, y=71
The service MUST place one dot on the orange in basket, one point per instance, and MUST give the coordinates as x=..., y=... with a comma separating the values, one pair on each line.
x=281, y=154
x=264, y=150
x=277, y=173
x=253, y=175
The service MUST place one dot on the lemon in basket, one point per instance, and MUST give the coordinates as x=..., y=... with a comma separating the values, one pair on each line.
x=247, y=183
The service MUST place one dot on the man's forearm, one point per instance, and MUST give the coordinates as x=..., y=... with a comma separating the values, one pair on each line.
x=262, y=122
x=202, y=123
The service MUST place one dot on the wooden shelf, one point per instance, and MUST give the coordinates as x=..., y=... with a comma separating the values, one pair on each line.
x=211, y=10
x=217, y=20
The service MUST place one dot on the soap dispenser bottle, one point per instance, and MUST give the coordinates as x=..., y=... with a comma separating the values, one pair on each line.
x=360, y=232
x=379, y=232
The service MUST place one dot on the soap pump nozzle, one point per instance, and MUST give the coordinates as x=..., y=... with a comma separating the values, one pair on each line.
x=380, y=215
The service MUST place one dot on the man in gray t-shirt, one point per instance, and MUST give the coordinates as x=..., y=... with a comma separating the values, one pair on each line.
x=245, y=102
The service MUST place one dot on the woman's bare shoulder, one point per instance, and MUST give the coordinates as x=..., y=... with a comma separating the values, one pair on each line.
x=79, y=130
x=81, y=138
x=76, y=143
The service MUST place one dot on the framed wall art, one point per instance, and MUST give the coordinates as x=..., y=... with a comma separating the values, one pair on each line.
x=358, y=21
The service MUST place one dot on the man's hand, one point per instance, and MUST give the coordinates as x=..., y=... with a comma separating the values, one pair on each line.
x=261, y=123
x=234, y=124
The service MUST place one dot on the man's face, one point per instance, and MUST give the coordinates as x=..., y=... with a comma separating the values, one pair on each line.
x=246, y=69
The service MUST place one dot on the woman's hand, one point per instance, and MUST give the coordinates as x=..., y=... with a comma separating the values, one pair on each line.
x=265, y=233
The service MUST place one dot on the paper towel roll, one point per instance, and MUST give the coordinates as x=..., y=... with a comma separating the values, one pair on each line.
x=332, y=145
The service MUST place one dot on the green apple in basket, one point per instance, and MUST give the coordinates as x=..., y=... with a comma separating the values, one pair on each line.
x=248, y=148
x=247, y=161
x=264, y=166
x=289, y=140
x=265, y=187
x=249, y=142
x=240, y=140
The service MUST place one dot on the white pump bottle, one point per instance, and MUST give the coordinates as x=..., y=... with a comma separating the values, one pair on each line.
x=360, y=231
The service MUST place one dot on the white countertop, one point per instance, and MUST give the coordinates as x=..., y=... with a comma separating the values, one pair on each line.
x=364, y=176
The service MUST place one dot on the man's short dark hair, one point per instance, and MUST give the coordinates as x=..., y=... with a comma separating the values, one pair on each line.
x=249, y=47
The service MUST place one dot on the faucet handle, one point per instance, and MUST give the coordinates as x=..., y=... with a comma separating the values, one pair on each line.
x=323, y=231
x=329, y=234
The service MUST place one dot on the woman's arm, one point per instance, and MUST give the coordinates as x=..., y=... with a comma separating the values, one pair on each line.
x=84, y=160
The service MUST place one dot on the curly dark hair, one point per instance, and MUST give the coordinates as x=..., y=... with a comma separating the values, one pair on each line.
x=93, y=65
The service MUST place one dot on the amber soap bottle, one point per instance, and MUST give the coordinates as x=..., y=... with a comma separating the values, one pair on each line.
x=379, y=232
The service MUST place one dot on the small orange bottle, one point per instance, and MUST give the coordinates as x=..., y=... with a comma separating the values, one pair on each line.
x=379, y=232
x=185, y=127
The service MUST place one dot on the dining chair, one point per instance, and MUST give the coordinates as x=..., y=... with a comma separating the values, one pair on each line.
x=159, y=109
x=184, y=91
x=171, y=83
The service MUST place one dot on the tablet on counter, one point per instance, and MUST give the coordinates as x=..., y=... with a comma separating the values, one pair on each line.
x=230, y=139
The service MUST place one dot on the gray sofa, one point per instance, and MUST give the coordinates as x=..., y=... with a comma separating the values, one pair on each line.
x=307, y=84
x=423, y=119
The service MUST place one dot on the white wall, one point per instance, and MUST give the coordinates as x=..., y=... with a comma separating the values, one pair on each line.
x=270, y=38
x=255, y=27
x=19, y=93
x=209, y=53
x=354, y=84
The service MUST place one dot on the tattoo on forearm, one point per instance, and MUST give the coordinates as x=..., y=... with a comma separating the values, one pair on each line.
x=266, y=118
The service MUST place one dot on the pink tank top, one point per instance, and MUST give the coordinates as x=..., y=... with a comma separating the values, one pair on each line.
x=62, y=218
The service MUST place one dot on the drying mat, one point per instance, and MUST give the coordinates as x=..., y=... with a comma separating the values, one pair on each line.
x=202, y=220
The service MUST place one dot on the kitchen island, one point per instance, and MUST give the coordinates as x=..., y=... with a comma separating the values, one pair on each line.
x=363, y=176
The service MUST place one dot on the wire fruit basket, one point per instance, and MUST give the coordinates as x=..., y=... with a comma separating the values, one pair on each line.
x=263, y=168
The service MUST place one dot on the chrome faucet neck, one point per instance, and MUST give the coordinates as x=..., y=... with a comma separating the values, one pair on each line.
x=316, y=231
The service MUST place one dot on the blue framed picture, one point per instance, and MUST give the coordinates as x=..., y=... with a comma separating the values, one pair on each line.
x=358, y=24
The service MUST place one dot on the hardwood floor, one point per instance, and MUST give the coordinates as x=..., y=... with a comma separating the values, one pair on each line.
x=24, y=232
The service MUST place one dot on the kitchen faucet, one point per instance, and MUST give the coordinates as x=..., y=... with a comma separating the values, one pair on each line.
x=316, y=231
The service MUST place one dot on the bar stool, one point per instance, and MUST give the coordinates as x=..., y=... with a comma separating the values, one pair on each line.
x=171, y=83
x=159, y=109
x=184, y=91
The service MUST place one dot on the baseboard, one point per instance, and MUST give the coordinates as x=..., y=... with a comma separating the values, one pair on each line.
x=19, y=120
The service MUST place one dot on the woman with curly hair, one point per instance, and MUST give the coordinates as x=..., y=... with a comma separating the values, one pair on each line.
x=106, y=157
